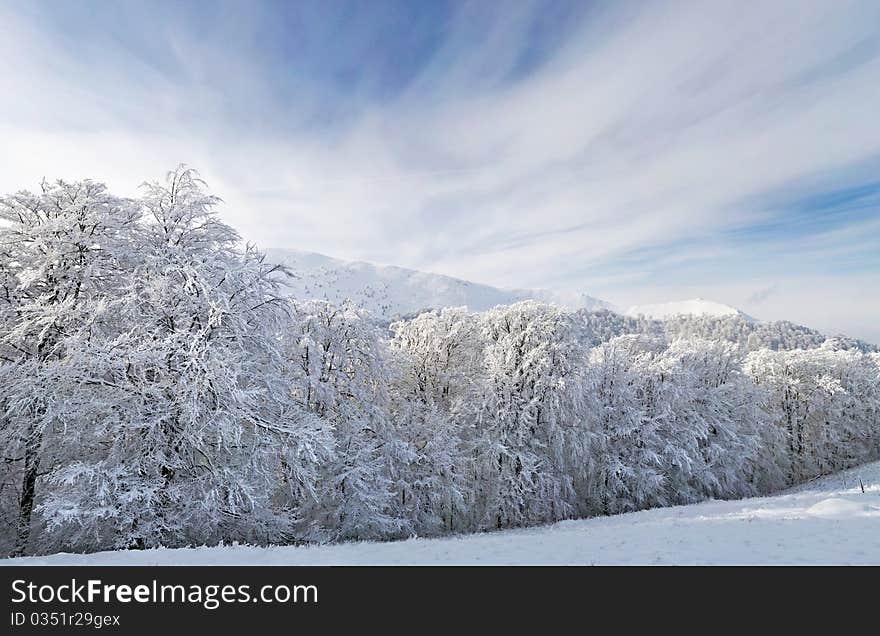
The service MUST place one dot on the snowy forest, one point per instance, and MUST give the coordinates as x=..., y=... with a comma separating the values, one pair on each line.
x=157, y=388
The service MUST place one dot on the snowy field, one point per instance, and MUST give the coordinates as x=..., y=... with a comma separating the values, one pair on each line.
x=827, y=521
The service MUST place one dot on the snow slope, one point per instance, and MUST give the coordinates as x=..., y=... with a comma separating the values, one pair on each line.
x=388, y=291
x=696, y=306
x=827, y=521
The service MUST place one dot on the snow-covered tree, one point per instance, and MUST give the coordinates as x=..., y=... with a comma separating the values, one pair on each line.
x=63, y=254
x=596, y=327
x=825, y=402
x=720, y=443
x=338, y=372
x=198, y=431
x=431, y=477
x=628, y=474
x=753, y=335
x=530, y=430
x=444, y=350
x=439, y=376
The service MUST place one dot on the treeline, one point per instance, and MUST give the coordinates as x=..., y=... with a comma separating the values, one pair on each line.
x=157, y=389
x=779, y=335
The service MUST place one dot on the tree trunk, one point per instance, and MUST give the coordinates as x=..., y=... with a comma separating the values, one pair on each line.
x=28, y=488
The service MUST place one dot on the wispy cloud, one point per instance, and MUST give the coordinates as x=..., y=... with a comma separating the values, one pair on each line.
x=629, y=150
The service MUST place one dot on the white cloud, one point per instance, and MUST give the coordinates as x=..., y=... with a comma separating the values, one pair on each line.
x=651, y=126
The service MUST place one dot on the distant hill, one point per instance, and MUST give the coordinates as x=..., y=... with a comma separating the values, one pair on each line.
x=693, y=307
x=390, y=291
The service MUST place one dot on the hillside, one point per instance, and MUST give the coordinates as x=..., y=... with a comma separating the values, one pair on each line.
x=827, y=521
x=693, y=307
x=389, y=291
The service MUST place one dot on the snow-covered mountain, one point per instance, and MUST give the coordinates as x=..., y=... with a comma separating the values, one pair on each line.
x=695, y=306
x=389, y=291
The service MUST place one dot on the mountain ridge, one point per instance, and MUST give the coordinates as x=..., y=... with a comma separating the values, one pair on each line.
x=693, y=307
x=390, y=290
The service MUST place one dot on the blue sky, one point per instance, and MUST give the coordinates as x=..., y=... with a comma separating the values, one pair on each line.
x=639, y=152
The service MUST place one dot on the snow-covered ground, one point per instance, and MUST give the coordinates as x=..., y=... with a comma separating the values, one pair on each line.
x=828, y=521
